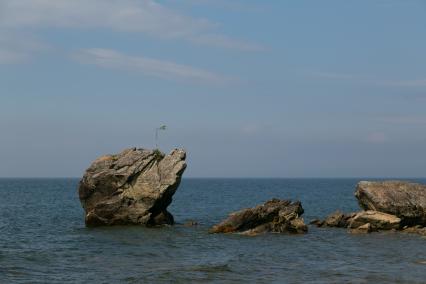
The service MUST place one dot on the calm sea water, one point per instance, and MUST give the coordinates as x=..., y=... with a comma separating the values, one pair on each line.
x=43, y=239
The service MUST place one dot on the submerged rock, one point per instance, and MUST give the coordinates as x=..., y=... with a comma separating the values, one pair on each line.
x=403, y=199
x=277, y=216
x=190, y=223
x=133, y=187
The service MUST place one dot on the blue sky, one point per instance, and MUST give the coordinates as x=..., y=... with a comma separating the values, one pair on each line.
x=249, y=88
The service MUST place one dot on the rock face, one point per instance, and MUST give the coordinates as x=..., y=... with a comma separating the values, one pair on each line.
x=402, y=199
x=133, y=187
x=278, y=216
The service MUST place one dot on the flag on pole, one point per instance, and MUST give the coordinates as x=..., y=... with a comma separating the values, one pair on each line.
x=162, y=127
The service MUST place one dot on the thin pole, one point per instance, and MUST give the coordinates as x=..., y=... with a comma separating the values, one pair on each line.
x=156, y=138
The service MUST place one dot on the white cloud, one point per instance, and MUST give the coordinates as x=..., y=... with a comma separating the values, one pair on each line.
x=126, y=15
x=107, y=58
x=144, y=16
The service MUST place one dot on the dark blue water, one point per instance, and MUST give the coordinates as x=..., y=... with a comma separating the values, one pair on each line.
x=43, y=239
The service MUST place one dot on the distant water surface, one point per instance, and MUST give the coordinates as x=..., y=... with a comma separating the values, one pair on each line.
x=43, y=239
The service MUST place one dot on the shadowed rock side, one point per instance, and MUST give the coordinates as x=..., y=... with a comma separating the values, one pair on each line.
x=402, y=199
x=277, y=216
x=133, y=187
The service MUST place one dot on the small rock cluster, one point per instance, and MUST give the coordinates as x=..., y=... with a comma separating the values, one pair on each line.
x=137, y=185
x=389, y=205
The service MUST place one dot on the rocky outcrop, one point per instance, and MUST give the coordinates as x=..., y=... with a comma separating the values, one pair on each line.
x=133, y=187
x=277, y=216
x=403, y=199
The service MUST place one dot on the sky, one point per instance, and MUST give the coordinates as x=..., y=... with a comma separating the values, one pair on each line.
x=250, y=88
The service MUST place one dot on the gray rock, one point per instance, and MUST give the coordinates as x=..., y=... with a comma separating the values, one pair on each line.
x=403, y=199
x=133, y=187
x=278, y=216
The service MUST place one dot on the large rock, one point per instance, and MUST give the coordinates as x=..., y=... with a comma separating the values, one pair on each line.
x=403, y=199
x=278, y=216
x=132, y=187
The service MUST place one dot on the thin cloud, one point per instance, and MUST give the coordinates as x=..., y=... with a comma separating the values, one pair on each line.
x=144, y=16
x=18, y=49
x=111, y=59
x=407, y=83
x=241, y=6
x=411, y=120
x=10, y=56
x=333, y=76
x=350, y=78
x=376, y=138
x=226, y=42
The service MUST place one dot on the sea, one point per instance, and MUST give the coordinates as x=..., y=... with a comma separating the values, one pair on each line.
x=43, y=238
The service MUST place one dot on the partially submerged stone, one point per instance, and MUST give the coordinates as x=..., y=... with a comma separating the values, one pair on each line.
x=277, y=216
x=133, y=187
x=420, y=230
x=405, y=200
x=337, y=219
x=377, y=220
x=364, y=229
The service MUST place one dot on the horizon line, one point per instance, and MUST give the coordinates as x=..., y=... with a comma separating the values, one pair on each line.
x=242, y=177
